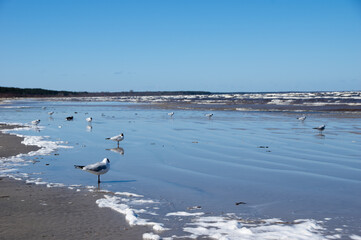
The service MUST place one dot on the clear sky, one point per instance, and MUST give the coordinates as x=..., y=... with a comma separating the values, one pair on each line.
x=223, y=45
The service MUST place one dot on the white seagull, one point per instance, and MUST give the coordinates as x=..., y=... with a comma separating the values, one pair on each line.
x=50, y=113
x=171, y=114
x=98, y=168
x=35, y=122
x=303, y=118
x=89, y=119
x=320, y=128
x=209, y=115
x=117, y=138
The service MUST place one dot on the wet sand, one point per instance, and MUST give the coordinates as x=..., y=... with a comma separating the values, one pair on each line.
x=30, y=211
x=10, y=145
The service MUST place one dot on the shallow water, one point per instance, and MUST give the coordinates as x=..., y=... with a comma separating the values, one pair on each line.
x=278, y=166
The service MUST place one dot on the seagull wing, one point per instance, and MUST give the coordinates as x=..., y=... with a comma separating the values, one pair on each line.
x=95, y=167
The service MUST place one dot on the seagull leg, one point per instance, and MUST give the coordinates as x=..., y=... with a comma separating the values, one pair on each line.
x=118, y=144
x=98, y=179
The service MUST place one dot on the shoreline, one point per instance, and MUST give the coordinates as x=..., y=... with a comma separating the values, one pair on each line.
x=31, y=211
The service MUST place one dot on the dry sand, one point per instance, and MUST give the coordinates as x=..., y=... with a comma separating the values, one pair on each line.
x=31, y=211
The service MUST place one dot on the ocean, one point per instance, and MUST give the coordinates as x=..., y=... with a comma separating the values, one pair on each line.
x=251, y=171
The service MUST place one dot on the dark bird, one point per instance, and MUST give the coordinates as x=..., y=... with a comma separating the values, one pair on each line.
x=320, y=128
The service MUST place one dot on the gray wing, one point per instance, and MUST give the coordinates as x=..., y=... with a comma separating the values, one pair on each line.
x=96, y=167
x=99, y=168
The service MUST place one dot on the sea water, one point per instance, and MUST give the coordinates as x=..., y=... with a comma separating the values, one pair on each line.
x=239, y=174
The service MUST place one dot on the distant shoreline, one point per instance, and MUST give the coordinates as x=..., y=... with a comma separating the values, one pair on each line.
x=11, y=92
x=347, y=101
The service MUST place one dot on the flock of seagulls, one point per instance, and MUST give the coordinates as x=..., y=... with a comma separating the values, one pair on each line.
x=103, y=167
x=98, y=168
x=319, y=128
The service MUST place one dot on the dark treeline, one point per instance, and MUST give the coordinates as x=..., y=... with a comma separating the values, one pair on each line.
x=7, y=92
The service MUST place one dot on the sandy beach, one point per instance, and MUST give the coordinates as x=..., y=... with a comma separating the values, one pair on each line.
x=30, y=211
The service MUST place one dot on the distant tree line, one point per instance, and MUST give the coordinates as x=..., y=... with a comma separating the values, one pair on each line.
x=6, y=92
x=34, y=92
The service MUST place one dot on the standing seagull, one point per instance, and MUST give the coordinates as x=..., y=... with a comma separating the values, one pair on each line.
x=320, y=128
x=303, y=118
x=98, y=168
x=209, y=115
x=50, y=113
x=35, y=122
x=171, y=114
x=117, y=138
x=89, y=119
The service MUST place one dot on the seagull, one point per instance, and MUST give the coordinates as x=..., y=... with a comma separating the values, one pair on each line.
x=35, y=122
x=69, y=118
x=320, y=128
x=171, y=114
x=209, y=115
x=117, y=138
x=98, y=168
x=50, y=113
x=89, y=119
x=303, y=118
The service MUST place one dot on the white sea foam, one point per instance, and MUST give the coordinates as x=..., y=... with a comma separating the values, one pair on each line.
x=127, y=194
x=355, y=237
x=132, y=218
x=37, y=181
x=150, y=236
x=225, y=228
x=184, y=214
x=9, y=164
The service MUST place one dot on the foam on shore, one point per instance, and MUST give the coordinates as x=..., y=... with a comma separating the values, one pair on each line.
x=116, y=203
x=9, y=164
x=227, y=228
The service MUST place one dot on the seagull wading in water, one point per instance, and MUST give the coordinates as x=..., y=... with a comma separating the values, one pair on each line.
x=98, y=168
x=320, y=128
x=117, y=138
x=303, y=118
x=35, y=122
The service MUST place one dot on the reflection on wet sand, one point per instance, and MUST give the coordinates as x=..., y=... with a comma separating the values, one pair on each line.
x=320, y=135
x=89, y=128
x=119, y=150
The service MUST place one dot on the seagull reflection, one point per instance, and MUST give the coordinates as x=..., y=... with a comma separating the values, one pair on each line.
x=89, y=128
x=119, y=150
x=320, y=135
x=36, y=128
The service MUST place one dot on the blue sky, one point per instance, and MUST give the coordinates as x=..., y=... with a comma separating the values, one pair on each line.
x=158, y=45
